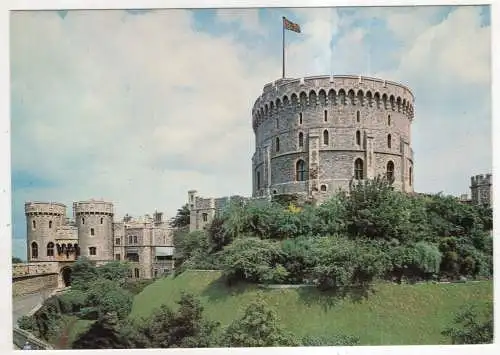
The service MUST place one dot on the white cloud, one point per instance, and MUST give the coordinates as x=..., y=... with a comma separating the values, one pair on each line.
x=247, y=19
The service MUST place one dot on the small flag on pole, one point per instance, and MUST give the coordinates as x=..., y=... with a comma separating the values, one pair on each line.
x=289, y=25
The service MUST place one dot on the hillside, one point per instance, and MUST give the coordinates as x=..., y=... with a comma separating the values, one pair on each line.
x=392, y=315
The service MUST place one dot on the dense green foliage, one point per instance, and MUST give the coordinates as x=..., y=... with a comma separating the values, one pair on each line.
x=181, y=219
x=16, y=260
x=352, y=239
x=472, y=325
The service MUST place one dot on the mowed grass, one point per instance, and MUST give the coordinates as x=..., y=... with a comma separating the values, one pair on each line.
x=391, y=315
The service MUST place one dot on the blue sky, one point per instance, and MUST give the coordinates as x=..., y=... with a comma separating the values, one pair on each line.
x=138, y=107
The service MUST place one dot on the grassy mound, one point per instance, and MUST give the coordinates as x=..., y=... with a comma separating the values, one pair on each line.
x=391, y=315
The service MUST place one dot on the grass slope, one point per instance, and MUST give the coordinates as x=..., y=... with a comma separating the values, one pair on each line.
x=392, y=315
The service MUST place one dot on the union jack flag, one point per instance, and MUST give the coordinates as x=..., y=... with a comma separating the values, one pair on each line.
x=289, y=25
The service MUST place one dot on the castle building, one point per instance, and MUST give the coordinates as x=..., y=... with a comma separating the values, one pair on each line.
x=316, y=135
x=481, y=189
x=147, y=243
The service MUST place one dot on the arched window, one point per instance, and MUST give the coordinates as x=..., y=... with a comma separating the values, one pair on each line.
x=50, y=249
x=34, y=224
x=102, y=220
x=358, y=117
x=410, y=172
x=326, y=116
x=388, y=120
x=300, y=169
x=277, y=144
x=390, y=171
x=358, y=137
x=323, y=188
x=389, y=141
x=326, y=138
x=83, y=220
x=92, y=232
x=358, y=169
x=50, y=224
x=301, y=139
x=92, y=251
x=34, y=250
x=300, y=118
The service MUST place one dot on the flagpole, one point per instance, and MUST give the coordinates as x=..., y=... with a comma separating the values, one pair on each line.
x=283, y=28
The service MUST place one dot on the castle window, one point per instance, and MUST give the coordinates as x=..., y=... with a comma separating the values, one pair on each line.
x=410, y=172
x=389, y=141
x=301, y=139
x=326, y=139
x=50, y=224
x=92, y=251
x=118, y=257
x=50, y=249
x=275, y=192
x=130, y=239
x=300, y=169
x=277, y=123
x=390, y=170
x=358, y=169
x=323, y=188
x=34, y=250
x=83, y=220
x=34, y=224
x=277, y=144
x=388, y=120
x=92, y=232
x=326, y=116
x=102, y=220
x=300, y=118
x=258, y=180
x=135, y=239
x=205, y=217
x=137, y=273
x=357, y=116
x=358, y=137
x=117, y=241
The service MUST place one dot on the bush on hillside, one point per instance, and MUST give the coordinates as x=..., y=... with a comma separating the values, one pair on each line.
x=472, y=325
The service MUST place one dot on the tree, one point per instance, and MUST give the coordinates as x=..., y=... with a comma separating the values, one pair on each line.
x=259, y=327
x=106, y=297
x=473, y=325
x=83, y=274
x=182, y=218
x=103, y=334
x=114, y=270
x=16, y=260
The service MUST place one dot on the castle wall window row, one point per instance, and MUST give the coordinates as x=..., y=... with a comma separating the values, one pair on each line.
x=34, y=250
x=50, y=249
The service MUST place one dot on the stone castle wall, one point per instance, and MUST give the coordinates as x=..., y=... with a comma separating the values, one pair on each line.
x=327, y=112
x=481, y=189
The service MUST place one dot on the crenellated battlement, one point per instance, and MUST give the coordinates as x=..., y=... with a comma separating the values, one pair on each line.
x=297, y=94
x=481, y=180
x=93, y=207
x=44, y=208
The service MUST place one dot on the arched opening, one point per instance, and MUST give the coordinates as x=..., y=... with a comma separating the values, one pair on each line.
x=410, y=172
x=301, y=139
x=325, y=116
x=326, y=138
x=258, y=180
x=50, y=224
x=300, y=117
x=34, y=250
x=323, y=188
x=102, y=220
x=300, y=169
x=34, y=224
x=358, y=169
x=390, y=171
x=358, y=137
x=389, y=141
x=66, y=276
x=277, y=144
x=50, y=249
x=358, y=116
x=388, y=120
x=83, y=220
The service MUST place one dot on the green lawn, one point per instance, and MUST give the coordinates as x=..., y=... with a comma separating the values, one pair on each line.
x=392, y=315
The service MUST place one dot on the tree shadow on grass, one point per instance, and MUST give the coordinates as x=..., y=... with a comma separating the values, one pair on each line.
x=219, y=290
x=328, y=299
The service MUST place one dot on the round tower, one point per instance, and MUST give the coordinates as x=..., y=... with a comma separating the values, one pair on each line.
x=317, y=134
x=42, y=221
x=94, y=220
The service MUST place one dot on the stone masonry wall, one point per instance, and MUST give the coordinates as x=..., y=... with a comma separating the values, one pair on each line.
x=34, y=284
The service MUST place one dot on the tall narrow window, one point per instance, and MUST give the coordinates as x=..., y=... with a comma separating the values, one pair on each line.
x=135, y=239
x=388, y=120
x=137, y=273
x=130, y=239
x=410, y=173
x=358, y=118
x=83, y=220
x=117, y=241
x=92, y=232
x=358, y=169
x=102, y=220
x=277, y=123
x=50, y=249
x=277, y=144
x=301, y=139
x=389, y=141
x=358, y=137
x=34, y=250
x=300, y=169
x=326, y=116
x=258, y=180
x=50, y=224
x=34, y=224
x=92, y=251
x=390, y=170
x=300, y=118
x=205, y=217
x=326, y=139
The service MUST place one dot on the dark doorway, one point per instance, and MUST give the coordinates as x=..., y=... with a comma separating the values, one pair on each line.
x=66, y=275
